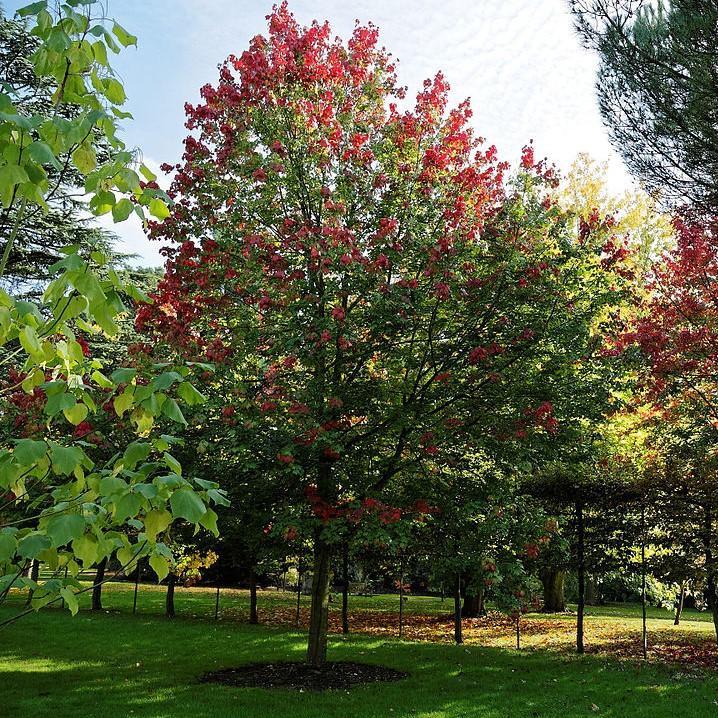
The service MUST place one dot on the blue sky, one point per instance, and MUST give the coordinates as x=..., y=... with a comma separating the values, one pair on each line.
x=519, y=61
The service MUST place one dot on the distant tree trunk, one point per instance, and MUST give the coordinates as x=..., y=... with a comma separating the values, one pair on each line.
x=401, y=599
x=345, y=589
x=710, y=567
x=679, y=605
x=553, y=580
x=473, y=604
x=581, y=577
x=170, y=598
x=644, y=631
x=518, y=630
x=253, y=618
x=458, y=637
x=299, y=594
x=97, y=587
x=591, y=591
x=34, y=575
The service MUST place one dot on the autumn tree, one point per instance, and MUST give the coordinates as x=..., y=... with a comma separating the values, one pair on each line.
x=677, y=335
x=383, y=295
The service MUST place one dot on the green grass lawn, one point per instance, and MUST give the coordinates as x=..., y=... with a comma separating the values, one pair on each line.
x=122, y=665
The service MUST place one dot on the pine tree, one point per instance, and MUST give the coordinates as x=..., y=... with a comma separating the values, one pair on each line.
x=657, y=91
x=42, y=233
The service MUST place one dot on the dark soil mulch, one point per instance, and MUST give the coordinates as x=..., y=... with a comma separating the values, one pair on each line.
x=301, y=676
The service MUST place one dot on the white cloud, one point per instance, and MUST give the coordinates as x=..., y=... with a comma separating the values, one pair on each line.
x=520, y=61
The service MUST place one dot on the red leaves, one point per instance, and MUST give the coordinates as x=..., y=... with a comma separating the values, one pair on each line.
x=527, y=157
x=678, y=332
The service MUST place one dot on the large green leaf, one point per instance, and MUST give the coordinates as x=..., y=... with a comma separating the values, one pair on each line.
x=156, y=521
x=85, y=548
x=190, y=395
x=64, y=528
x=65, y=458
x=59, y=402
x=76, y=414
x=135, y=452
x=28, y=451
x=32, y=545
x=186, y=504
x=128, y=506
x=209, y=521
x=172, y=411
x=160, y=565
x=8, y=546
x=11, y=175
x=70, y=599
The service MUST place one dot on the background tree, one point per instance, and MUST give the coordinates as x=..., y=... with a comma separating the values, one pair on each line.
x=657, y=91
x=43, y=231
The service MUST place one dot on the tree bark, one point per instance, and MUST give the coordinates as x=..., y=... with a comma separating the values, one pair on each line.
x=710, y=567
x=553, y=580
x=345, y=589
x=401, y=599
x=473, y=604
x=458, y=637
x=253, y=617
x=581, y=578
x=592, y=598
x=321, y=575
x=97, y=587
x=170, y=598
x=679, y=605
x=319, y=610
x=644, y=630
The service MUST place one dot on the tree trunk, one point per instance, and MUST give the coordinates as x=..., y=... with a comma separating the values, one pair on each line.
x=34, y=575
x=170, y=598
x=473, y=604
x=299, y=595
x=710, y=567
x=644, y=629
x=591, y=591
x=401, y=599
x=518, y=630
x=581, y=578
x=321, y=576
x=679, y=605
x=97, y=587
x=553, y=580
x=253, y=618
x=345, y=589
x=319, y=610
x=137, y=587
x=458, y=637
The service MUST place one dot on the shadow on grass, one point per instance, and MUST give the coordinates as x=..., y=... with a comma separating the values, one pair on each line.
x=108, y=665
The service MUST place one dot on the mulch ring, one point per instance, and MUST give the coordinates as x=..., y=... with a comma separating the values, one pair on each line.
x=302, y=677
